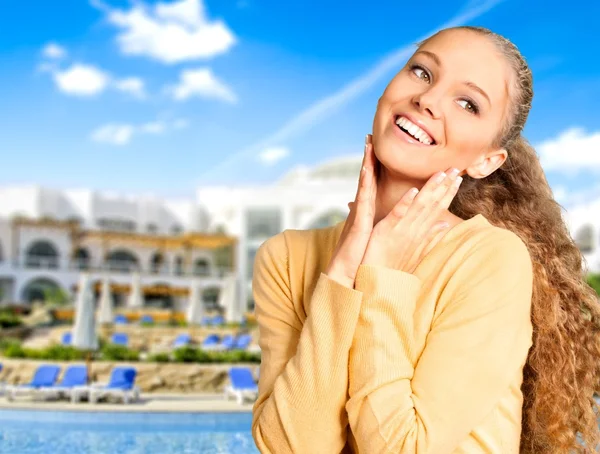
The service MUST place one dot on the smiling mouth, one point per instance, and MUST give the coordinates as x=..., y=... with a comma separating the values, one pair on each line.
x=414, y=131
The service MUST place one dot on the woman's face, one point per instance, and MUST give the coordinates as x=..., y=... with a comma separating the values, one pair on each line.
x=444, y=108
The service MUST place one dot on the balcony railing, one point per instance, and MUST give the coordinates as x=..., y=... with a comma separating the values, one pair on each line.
x=118, y=266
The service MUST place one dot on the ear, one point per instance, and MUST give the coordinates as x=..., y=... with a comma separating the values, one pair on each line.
x=487, y=164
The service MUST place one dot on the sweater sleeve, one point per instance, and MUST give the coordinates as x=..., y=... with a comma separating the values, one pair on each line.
x=410, y=399
x=303, y=382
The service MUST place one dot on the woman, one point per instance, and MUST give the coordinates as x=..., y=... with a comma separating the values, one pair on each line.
x=456, y=320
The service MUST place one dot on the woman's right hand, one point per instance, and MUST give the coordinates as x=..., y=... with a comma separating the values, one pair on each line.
x=353, y=241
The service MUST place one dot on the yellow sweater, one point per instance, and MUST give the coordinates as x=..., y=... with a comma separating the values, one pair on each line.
x=430, y=362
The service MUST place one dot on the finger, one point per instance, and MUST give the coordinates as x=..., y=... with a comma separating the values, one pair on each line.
x=451, y=193
x=362, y=166
x=364, y=211
x=432, y=202
x=400, y=210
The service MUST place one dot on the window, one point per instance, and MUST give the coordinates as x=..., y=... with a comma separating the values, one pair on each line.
x=250, y=264
x=152, y=228
x=119, y=225
x=263, y=223
x=176, y=230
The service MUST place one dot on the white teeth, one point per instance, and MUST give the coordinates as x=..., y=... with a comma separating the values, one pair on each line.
x=414, y=130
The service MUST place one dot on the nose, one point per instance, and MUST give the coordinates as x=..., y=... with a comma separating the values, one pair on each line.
x=427, y=103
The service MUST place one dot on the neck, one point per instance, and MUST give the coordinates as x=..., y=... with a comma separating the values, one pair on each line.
x=391, y=188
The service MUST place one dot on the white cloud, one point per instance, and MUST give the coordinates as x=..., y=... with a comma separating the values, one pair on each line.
x=571, y=151
x=132, y=85
x=169, y=32
x=181, y=123
x=325, y=107
x=82, y=80
x=54, y=51
x=113, y=134
x=88, y=81
x=201, y=83
x=154, y=127
x=123, y=134
x=270, y=156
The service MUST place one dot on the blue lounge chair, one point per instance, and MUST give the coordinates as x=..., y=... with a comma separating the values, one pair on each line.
x=121, y=384
x=146, y=319
x=73, y=376
x=120, y=339
x=227, y=343
x=121, y=320
x=218, y=320
x=211, y=342
x=205, y=321
x=183, y=340
x=243, y=341
x=45, y=375
x=67, y=338
x=242, y=384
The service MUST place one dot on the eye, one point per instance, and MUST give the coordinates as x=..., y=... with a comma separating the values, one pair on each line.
x=469, y=106
x=421, y=73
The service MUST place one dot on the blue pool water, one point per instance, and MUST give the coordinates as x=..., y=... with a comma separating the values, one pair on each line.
x=70, y=432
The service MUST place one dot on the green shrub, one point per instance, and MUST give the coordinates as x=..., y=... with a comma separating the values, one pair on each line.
x=9, y=320
x=159, y=358
x=14, y=351
x=62, y=353
x=6, y=342
x=593, y=281
x=112, y=352
x=185, y=355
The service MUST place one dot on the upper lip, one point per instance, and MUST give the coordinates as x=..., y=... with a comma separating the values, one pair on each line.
x=418, y=122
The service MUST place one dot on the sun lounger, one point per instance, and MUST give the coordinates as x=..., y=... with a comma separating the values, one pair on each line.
x=211, y=342
x=121, y=384
x=121, y=320
x=242, y=384
x=242, y=342
x=217, y=320
x=120, y=339
x=146, y=319
x=67, y=338
x=183, y=340
x=44, y=375
x=74, y=376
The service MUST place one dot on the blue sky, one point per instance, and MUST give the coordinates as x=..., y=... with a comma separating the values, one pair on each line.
x=161, y=97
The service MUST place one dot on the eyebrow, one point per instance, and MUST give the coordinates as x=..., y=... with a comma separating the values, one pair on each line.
x=469, y=84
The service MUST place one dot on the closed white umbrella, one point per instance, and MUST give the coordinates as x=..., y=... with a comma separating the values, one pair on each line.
x=195, y=310
x=228, y=299
x=84, y=333
x=105, y=313
x=84, y=330
x=135, y=299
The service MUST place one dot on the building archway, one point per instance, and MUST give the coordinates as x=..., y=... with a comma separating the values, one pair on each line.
x=39, y=288
x=81, y=259
x=42, y=254
x=122, y=260
x=156, y=262
x=201, y=267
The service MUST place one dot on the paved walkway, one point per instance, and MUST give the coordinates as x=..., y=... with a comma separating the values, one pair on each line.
x=181, y=403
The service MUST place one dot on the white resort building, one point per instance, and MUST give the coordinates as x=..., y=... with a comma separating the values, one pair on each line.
x=48, y=236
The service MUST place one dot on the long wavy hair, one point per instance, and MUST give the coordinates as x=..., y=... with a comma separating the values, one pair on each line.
x=563, y=366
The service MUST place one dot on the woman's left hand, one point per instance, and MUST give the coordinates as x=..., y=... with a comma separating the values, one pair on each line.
x=406, y=235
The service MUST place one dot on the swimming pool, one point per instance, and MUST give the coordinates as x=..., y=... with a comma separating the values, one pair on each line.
x=82, y=432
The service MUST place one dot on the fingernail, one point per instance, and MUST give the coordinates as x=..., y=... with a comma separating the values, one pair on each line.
x=367, y=139
x=458, y=181
x=454, y=172
x=440, y=177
